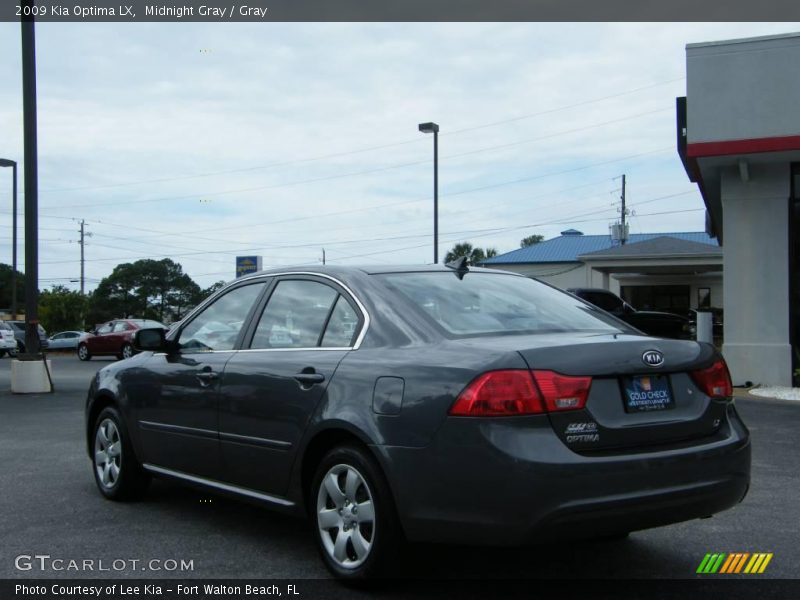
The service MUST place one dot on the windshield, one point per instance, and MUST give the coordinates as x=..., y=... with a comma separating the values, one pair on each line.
x=486, y=303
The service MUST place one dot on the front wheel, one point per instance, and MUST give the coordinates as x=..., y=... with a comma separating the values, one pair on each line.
x=355, y=522
x=117, y=472
x=83, y=352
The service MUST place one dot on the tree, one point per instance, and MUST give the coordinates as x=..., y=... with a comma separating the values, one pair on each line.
x=213, y=288
x=62, y=309
x=148, y=289
x=5, y=288
x=531, y=240
x=474, y=255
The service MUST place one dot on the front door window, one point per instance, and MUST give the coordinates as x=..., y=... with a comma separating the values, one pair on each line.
x=217, y=327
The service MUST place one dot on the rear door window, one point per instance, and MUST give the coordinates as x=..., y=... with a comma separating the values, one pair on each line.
x=295, y=315
x=342, y=326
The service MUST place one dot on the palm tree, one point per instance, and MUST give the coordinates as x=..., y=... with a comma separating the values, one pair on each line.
x=474, y=255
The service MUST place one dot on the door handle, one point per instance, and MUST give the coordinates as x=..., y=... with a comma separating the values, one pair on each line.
x=206, y=377
x=309, y=378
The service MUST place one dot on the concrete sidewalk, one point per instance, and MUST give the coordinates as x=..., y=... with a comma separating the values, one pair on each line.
x=745, y=393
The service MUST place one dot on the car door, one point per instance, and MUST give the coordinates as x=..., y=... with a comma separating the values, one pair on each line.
x=271, y=389
x=114, y=340
x=175, y=395
x=98, y=343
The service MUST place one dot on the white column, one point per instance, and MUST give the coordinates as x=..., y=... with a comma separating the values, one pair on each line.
x=756, y=274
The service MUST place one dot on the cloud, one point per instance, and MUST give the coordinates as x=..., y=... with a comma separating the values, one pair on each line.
x=200, y=141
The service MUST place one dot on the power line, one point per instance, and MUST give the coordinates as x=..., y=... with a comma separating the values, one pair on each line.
x=370, y=171
x=366, y=149
x=427, y=199
x=479, y=232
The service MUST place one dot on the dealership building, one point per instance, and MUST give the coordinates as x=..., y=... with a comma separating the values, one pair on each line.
x=739, y=140
x=673, y=272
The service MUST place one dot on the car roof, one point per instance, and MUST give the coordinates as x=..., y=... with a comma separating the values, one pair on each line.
x=581, y=289
x=342, y=270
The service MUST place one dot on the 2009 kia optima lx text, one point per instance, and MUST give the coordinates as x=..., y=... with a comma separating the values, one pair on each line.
x=428, y=403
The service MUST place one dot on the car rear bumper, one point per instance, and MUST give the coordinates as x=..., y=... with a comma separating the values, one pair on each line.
x=512, y=482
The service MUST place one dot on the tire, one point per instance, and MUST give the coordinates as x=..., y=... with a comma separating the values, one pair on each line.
x=117, y=472
x=83, y=352
x=2, y=353
x=126, y=352
x=347, y=481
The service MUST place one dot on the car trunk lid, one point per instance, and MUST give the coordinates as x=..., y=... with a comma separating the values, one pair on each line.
x=632, y=402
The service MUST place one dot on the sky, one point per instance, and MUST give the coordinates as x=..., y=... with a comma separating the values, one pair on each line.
x=201, y=142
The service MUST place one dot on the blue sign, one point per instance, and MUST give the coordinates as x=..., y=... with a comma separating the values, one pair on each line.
x=247, y=264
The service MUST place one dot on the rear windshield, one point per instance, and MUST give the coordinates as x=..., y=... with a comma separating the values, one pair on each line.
x=486, y=303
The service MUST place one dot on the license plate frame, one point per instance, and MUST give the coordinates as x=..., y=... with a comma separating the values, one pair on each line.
x=647, y=393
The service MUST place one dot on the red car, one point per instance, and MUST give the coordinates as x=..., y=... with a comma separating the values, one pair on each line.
x=115, y=338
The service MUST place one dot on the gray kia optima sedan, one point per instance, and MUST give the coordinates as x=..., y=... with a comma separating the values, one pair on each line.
x=435, y=403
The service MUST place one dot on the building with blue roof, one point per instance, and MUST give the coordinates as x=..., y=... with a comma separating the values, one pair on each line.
x=675, y=271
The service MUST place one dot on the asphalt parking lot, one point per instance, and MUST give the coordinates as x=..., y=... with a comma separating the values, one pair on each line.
x=49, y=505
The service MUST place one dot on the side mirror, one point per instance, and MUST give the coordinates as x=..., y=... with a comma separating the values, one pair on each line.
x=153, y=340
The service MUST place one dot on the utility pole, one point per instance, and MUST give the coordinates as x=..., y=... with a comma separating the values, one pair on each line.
x=624, y=235
x=83, y=278
x=323, y=256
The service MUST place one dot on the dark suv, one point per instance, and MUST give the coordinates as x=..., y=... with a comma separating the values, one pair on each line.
x=18, y=327
x=651, y=322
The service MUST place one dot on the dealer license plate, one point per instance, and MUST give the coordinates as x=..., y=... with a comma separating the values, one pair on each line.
x=647, y=392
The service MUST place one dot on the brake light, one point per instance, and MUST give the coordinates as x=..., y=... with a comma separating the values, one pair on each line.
x=715, y=381
x=517, y=392
x=499, y=394
x=562, y=392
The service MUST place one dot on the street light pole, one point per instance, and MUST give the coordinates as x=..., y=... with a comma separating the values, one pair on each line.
x=434, y=129
x=4, y=162
x=32, y=343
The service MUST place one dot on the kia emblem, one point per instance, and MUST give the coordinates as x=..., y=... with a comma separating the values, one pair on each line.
x=653, y=358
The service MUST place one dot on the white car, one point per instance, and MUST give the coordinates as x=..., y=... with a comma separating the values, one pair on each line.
x=66, y=340
x=8, y=343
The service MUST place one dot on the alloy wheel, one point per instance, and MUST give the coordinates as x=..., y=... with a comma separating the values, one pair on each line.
x=107, y=453
x=127, y=351
x=345, y=516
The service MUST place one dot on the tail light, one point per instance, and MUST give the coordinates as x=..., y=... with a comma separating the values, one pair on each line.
x=498, y=394
x=562, y=392
x=714, y=381
x=519, y=392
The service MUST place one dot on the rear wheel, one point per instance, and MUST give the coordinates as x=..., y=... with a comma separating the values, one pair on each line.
x=355, y=524
x=126, y=352
x=117, y=472
x=83, y=352
x=2, y=353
